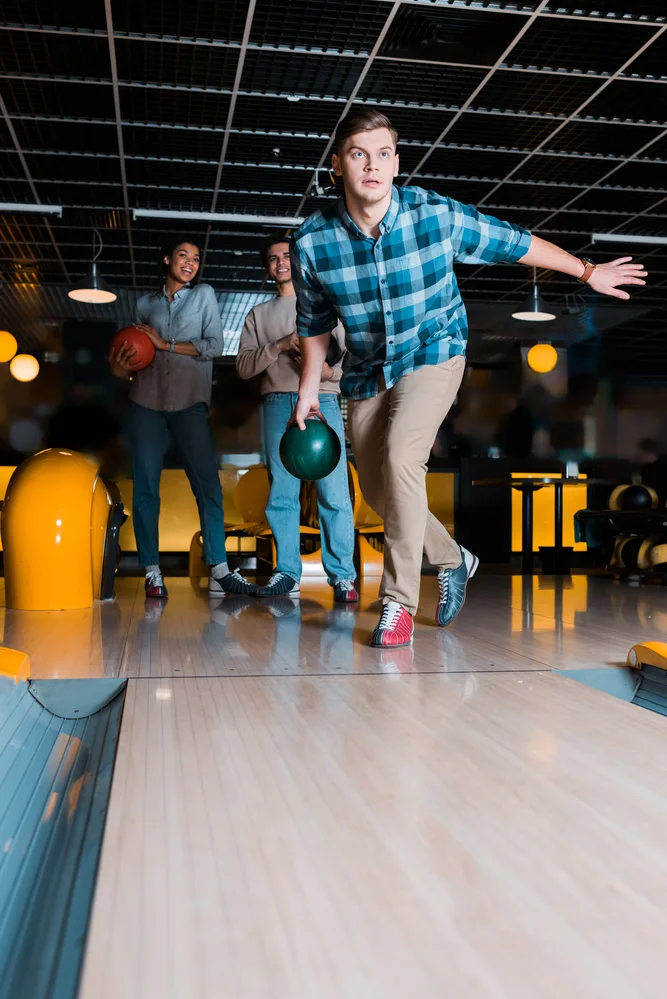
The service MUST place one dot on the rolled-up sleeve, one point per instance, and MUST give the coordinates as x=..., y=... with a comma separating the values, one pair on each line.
x=210, y=343
x=315, y=314
x=482, y=239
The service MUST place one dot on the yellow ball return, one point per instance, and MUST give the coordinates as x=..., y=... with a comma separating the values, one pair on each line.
x=649, y=659
x=60, y=527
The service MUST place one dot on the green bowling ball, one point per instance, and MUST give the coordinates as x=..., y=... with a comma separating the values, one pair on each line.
x=312, y=453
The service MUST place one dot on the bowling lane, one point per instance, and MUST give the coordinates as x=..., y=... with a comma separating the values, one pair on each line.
x=508, y=623
x=486, y=835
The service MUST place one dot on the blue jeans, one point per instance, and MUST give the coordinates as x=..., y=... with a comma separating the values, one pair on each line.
x=333, y=494
x=148, y=432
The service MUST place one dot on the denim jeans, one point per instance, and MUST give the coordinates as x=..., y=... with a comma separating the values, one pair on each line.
x=333, y=494
x=148, y=432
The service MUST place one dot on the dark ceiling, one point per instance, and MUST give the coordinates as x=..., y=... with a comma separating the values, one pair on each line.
x=551, y=115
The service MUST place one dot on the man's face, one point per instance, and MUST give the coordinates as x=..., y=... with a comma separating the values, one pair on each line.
x=368, y=164
x=278, y=262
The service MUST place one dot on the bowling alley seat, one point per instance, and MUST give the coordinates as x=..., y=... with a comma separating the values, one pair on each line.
x=250, y=498
x=251, y=494
x=311, y=561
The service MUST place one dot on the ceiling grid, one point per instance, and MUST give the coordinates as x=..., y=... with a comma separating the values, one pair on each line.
x=551, y=114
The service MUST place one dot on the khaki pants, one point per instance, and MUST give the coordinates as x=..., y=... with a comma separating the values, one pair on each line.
x=392, y=435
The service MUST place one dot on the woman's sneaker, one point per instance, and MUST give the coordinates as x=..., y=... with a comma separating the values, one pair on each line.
x=154, y=585
x=452, y=588
x=345, y=592
x=279, y=585
x=396, y=627
x=231, y=582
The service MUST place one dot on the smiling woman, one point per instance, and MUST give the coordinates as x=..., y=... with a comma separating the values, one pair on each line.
x=170, y=399
x=180, y=261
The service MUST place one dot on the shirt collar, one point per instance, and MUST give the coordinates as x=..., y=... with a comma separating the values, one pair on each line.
x=178, y=293
x=386, y=223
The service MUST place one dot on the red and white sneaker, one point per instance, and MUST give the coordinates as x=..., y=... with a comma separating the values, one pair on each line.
x=345, y=592
x=154, y=585
x=396, y=627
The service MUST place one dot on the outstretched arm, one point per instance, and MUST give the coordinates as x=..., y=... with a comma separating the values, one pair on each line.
x=604, y=278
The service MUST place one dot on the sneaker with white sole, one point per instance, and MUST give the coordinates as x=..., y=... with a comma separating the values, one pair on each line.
x=231, y=582
x=452, y=585
x=154, y=585
x=345, y=592
x=395, y=627
x=280, y=585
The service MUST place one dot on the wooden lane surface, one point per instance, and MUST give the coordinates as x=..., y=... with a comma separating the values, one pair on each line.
x=376, y=837
x=508, y=623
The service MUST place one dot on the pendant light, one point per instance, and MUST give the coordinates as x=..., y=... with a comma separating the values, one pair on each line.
x=534, y=309
x=542, y=358
x=24, y=367
x=92, y=288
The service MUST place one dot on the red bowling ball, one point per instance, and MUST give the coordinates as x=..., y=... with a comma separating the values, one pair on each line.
x=143, y=345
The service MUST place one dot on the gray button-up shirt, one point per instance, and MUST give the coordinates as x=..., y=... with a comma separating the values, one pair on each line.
x=176, y=381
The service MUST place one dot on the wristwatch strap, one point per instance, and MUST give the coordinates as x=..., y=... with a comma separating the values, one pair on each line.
x=171, y=346
x=589, y=267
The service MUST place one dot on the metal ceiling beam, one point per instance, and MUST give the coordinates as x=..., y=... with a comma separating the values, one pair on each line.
x=627, y=19
x=600, y=180
x=33, y=189
x=355, y=90
x=320, y=52
x=448, y=177
x=586, y=74
x=482, y=7
x=455, y=109
x=657, y=34
x=250, y=13
x=455, y=146
x=119, y=132
x=480, y=86
x=596, y=184
x=181, y=216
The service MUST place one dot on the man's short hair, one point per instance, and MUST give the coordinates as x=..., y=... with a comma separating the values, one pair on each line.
x=362, y=120
x=268, y=242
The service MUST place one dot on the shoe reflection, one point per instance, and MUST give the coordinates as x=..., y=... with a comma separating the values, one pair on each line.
x=400, y=660
x=153, y=609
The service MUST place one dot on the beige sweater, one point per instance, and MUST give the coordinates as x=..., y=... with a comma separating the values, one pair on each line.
x=258, y=355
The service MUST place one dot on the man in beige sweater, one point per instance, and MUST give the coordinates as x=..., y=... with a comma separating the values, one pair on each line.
x=269, y=346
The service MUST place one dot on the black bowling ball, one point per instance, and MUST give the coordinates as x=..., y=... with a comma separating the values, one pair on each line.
x=635, y=498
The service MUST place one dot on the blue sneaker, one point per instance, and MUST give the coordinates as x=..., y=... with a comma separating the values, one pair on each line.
x=452, y=588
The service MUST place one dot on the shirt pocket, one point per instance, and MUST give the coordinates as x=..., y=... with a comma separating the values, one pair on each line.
x=187, y=325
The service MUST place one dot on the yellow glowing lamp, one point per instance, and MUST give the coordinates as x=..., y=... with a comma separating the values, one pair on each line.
x=8, y=346
x=542, y=357
x=24, y=367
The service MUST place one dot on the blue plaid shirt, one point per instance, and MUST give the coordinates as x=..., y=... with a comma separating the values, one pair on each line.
x=396, y=296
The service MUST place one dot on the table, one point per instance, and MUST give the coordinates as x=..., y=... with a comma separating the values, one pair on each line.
x=528, y=486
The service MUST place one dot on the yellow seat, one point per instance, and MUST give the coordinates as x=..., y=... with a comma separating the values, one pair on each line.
x=251, y=494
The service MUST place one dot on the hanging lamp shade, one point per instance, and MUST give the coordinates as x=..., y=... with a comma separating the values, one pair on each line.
x=534, y=309
x=92, y=288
